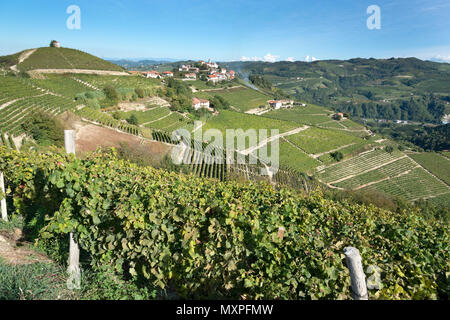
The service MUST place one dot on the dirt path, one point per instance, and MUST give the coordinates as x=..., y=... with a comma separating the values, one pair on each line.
x=221, y=89
x=15, y=252
x=9, y=103
x=170, y=113
x=86, y=84
x=315, y=156
x=297, y=147
x=270, y=139
x=24, y=56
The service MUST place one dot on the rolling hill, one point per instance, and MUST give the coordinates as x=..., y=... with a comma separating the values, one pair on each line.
x=407, y=89
x=48, y=58
x=309, y=136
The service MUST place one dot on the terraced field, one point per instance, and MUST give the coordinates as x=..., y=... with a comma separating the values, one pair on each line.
x=15, y=88
x=401, y=166
x=118, y=81
x=293, y=158
x=19, y=99
x=435, y=163
x=65, y=85
x=316, y=140
x=348, y=152
x=357, y=165
x=415, y=185
x=144, y=117
x=172, y=122
x=107, y=120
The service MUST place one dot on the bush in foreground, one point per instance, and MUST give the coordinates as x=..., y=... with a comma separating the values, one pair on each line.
x=210, y=239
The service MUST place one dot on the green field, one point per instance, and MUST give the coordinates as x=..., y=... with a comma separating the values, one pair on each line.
x=298, y=115
x=292, y=157
x=64, y=58
x=145, y=116
x=65, y=85
x=119, y=81
x=415, y=185
x=435, y=163
x=348, y=152
x=172, y=122
x=390, y=170
x=236, y=120
x=242, y=98
x=316, y=140
x=357, y=165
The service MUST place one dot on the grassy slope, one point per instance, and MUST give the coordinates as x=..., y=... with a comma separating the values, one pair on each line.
x=241, y=98
x=64, y=58
x=435, y=163
x=236, y=120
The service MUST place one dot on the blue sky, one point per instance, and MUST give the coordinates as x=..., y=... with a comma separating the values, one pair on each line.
x=232, y=29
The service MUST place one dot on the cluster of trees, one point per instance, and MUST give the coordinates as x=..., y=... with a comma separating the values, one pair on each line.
x=432, y=138
x=219, y=103
x=422, y=109
x=179, y=95
x=45, y=129
x=428, y=138
x=266, y=85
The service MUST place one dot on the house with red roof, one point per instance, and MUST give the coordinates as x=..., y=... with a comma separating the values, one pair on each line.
x=213, y=78
x=190, y=76
x=201, y=103
x=151, y=74
x=168, y=74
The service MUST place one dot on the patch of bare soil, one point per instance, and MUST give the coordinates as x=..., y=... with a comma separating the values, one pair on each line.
x=16, y=252
x=89, y=137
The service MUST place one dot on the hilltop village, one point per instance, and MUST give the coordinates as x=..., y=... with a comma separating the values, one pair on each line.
x=200, y=70
x=209, y=72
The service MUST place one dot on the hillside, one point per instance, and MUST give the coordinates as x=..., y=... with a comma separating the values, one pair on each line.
x=367, y=88
x=203, y=238
x=311, y=140
x=59, y=58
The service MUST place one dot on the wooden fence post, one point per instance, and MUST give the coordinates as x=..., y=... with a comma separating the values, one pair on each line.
x=357, y=276
x=3, y=201
x=74, y=280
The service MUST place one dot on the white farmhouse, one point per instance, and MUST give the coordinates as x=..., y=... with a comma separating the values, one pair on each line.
x=201, y=103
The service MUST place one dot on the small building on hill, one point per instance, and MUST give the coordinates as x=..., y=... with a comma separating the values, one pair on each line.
x=201, y=103
x=338, y=116
x=151, y=74
x=190, y=76
x=55, y=44
x=277, y=104
x=168, y=74
x=213, y=78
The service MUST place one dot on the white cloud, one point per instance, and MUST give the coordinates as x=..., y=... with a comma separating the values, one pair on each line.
x=290, y=59
x=270, y=58
x=310, y=59
x=244, y=58
x=445, y=58
x=267, y=58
